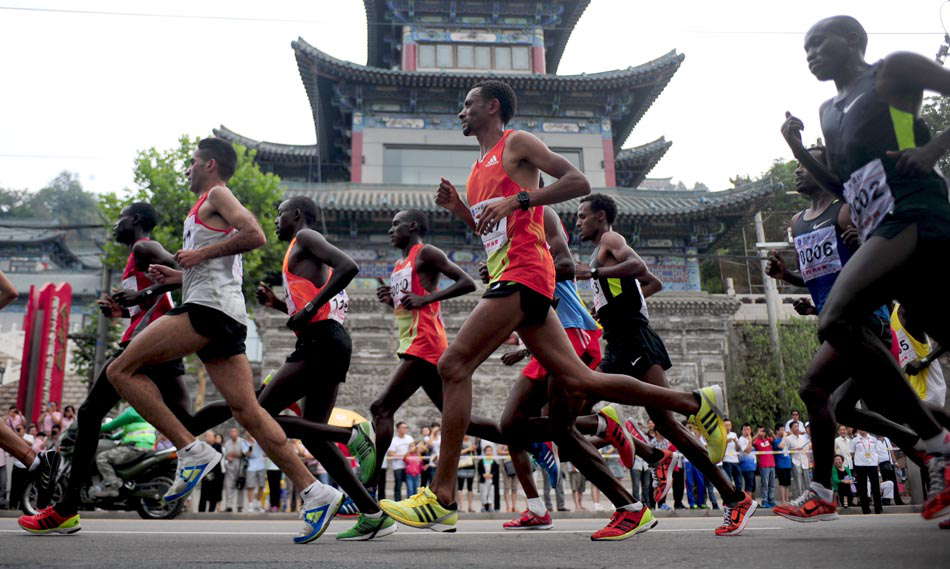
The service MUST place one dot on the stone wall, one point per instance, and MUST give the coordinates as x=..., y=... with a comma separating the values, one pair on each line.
x=695, y=327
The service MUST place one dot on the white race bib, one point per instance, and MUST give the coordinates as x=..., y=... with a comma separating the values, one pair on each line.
x=496, y=239
x=599, y=299
x=818, y=253
x=869, y=196
x=132, y=285
x=400, y=283
x=339, y=306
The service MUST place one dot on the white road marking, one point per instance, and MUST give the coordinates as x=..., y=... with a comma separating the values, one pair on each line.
x=541, y=532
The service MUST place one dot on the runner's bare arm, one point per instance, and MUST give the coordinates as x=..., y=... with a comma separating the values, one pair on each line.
x=628, y=263
x=557, y=244
x=344, y=270
x=434, y=259
x=849, y=233
x=448, y=197
x=650, y=284
x=792, y=132
x=247, y=237
x=525, y=147
x=147, y=253
x=902, y=80
x=8, y=292
x=916, y=366
x=266, y=297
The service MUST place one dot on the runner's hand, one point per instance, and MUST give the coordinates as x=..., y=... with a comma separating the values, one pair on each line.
x=582, y=271
x=792, y=130
x=494, y=213
x=511, y=358
x=775, y=267
x=483, y=273
x=188, y=258
x=125, y=297
x=851, y=238
x=412, y=301
x=109, y=307
x=804, y=307
x=266, y=296
x=914, y=162
x=299, y=321
x=447, y=196
x=384, y=293
x=914, y=367
x=164, y=275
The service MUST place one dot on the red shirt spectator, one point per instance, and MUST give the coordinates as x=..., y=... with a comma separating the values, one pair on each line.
x=764, y=444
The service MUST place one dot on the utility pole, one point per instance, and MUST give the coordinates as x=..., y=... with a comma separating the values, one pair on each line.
x=102, y=332
x=771, y=293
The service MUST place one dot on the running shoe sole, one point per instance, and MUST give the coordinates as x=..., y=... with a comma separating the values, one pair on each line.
x=745, y=521
x=527, y=528
x=436, y=525
x=629, y=534
x=375, y=535
x=808, y=520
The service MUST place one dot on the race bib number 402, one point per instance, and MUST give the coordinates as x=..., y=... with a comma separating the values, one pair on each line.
x=869, y=196
x=495, y=239
x=818, y=253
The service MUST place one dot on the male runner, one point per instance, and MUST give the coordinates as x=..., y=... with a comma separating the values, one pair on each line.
x=621, y=280
x=916, y=354
x=142, y=301
x=315, y=275
x=43, y=464
x=212, y=323
x=881, y=160
x=504, y=200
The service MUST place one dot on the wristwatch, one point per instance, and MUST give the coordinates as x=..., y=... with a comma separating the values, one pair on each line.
x=524, y=200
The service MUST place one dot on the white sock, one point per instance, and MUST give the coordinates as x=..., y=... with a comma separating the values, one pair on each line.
x=375, y=516
x=634, y=507
x=823, y=493
x=536, y=507
x=35, y=464
x=601, y=425
x=939, y=443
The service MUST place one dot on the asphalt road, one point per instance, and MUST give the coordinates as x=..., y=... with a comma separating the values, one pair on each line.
x=901, y=541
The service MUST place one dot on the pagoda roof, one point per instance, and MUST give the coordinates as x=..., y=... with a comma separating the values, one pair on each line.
x=632, y=205
x=640, y=85
x=633, y=164
x=384, y=20
x=273, y=151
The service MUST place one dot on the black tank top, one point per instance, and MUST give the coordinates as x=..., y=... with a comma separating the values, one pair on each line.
x=619, y=302
x=821, y=251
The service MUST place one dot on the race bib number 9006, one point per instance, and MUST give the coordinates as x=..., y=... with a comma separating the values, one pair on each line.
x=869, y=196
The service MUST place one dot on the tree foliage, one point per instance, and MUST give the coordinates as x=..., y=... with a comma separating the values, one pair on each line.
x=936, y=113
x=62, y=200
x=756, y=394
x=160, y=177
x=84, y=355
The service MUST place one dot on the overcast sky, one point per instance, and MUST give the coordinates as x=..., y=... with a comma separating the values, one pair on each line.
x=84, y=92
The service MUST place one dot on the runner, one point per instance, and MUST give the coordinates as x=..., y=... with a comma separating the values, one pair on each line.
x=43, y=464
x=315, y=275
x=915, y=353
x=621, y=281
x=504, y=200
x=881, y=160
x=212, y=323
x=143, y=301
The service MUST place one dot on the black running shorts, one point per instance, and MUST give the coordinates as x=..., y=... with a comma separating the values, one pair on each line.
x=324, y=346
x=634, y=351
x=225, y=334
x=534, y=305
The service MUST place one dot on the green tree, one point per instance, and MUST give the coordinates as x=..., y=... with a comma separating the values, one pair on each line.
x=936, y=113
x=62, y=200
x=160, y=177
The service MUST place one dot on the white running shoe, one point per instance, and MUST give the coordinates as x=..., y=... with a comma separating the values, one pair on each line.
x=193, y=465
x=318, y=509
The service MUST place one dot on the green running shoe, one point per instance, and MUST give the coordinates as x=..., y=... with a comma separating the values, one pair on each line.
x=368, y=528
x=363, y=447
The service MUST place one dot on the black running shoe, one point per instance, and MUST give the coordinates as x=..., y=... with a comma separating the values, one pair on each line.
x=46, y=474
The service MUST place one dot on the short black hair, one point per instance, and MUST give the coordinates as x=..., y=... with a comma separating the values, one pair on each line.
x=307, y=207
x=507, y=100
x=822, y=150
x=604, y=203
x=401, y=423
x=222, y=153
x=845, y=25
x=779, y=426
x=421, y=219
x=148, y=217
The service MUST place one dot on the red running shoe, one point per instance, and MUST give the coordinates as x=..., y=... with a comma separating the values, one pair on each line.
x=809, y=507
x=617, y=436
x=734, y=518
x=48, y=520
x=529, y=520
x=938, y=497
x=662, y=475
x=945, y=524
x=624, y=524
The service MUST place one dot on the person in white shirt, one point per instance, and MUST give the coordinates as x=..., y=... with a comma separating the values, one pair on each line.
x=886, y=467
x=843, y=446
x=865, y=449
x=796, y=418
x=235, y=448
x=798, y=443
x=256, y=475
x=397, y=451
x=730, y=461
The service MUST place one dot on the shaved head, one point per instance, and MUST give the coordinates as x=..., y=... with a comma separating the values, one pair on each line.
x=847, y=28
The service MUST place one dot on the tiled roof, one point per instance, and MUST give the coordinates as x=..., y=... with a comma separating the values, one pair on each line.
x=638, y=204
x=634, y=164
x=269, y=150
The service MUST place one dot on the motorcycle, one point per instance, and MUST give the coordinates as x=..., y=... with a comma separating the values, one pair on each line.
x=145, y=479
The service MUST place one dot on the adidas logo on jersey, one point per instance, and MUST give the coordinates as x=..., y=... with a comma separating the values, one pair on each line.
x=492, y=161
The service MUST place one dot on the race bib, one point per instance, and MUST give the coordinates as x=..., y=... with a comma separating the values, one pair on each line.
x=339, y=306
x=400, y=284
x=496, y=239
x=599, y=299
x=869, y=196
x=132, y=285
x=818, y=253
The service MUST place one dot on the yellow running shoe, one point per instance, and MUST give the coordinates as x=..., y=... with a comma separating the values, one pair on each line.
x=709, y=421
x=422, y=510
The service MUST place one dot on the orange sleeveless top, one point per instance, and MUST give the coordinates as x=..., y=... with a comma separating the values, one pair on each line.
x=421, y=332
x=300, y=291
x=517, y=250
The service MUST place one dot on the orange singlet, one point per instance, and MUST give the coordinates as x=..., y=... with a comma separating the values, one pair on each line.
x=300, y=291
x=421, y=332
x=517, y=249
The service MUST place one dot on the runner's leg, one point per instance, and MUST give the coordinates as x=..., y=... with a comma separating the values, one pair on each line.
x=481, y=427
x=844, y=402
x=825, y=374
x=405, y=381
x=525, y=400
